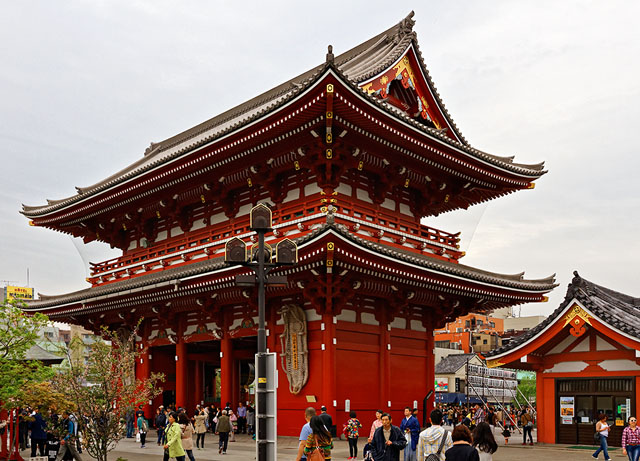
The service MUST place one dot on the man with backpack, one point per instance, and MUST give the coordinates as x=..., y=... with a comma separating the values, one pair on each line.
x=68, y=443
x=434, y=440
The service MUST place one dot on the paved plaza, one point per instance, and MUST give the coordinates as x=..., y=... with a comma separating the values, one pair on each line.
x=244, y=449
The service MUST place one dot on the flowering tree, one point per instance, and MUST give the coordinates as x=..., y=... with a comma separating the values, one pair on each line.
x=18, y=333
x=104, y=387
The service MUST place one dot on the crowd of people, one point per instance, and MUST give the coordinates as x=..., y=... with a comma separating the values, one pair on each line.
x=175, y=429
x=386, y=441
x=54, y=436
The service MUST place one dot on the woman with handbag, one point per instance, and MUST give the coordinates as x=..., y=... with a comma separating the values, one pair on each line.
x=187, y=435
x=602, y=428
x=319, y=443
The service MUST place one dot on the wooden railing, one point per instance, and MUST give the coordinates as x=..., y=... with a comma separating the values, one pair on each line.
x=291, y=220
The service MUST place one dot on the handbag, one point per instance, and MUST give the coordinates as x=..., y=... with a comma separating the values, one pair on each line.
x=317, y=454
x=596, y=437
x=138, y=437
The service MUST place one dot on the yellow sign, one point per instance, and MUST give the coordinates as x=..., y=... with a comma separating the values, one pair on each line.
x=619, y=422
x=262, y=380
x=19, y=293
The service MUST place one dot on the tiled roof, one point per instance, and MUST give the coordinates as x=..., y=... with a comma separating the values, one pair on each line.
x=619, y=311
x=38, y=353
x=212, y=265
x=452, y=363
x=355, y=65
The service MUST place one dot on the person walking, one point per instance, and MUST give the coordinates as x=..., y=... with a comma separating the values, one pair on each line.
x=631, y=440
x=68, y=443
x=411, y=428
x=603, y=429
x=38, y=428
x=187, y=435
x=527, y=426
x=251, y=420
x=326, y=419
x=353, y=424
x=376, y=424
x=319, y=439
x=143, y=428
x=306, y=430
x=201, y=429
x=173, y=439
x=242, y=418
x=388, y=440
x=479, y=415
x=484, y=442
x=435, y=439
x=161, y=423
x=462, y=449
x=223, y=428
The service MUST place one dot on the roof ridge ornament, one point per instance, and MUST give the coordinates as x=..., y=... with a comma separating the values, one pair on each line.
x=330, y=56
x=406, y=25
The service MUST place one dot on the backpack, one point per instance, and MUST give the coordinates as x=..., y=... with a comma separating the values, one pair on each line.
x=436, y=456
x=145, y=426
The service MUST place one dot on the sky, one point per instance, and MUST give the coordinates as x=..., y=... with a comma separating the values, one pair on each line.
x=86, y=85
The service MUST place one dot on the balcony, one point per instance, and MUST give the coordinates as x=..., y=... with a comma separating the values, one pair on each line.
x=291, y=220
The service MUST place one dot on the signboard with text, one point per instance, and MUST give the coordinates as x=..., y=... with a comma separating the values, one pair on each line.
x=13, y=292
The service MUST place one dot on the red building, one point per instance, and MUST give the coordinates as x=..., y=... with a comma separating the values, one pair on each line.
x=350, y=157
x=586, y=356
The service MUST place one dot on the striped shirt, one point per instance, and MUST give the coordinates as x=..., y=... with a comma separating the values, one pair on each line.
x=630, y=437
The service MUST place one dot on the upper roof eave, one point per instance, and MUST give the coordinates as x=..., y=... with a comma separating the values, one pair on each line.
x=280, y=95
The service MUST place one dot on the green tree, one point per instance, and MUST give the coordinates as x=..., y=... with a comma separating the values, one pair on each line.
x=526, y=387
x=19, y=331
x=104, y=387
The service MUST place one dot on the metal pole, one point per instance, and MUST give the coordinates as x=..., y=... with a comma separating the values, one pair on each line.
x=262, y=336
x=261, y=413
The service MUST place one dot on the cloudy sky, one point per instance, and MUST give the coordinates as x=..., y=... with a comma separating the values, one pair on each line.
x=86, y=85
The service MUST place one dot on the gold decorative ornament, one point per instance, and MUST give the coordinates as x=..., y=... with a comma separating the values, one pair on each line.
x=330, y=88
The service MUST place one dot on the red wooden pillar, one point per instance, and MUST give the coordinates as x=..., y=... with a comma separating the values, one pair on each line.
x=143, y=365
x=197, y=376
x=385, y=356
x=3, y=438
x=430, y=366
x=328, y=359
x=226, y=370
x=181, y=373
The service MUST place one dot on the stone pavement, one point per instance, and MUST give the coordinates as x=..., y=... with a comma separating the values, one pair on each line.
x=244, y=450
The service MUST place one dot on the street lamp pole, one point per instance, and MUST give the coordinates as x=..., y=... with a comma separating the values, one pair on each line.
x=260, y=261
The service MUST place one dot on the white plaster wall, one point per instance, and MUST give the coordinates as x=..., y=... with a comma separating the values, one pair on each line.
x=603, y=345
x=244, y=210
x=389, y=204
x=344, y=189
x=218, y=218
x=567, y=367
x=312, y=315
x=368, y=318
x=293, y=194
x=176, y=231
x=198, y=224
x=363, y=195
x=416, y=325
x=347, y=316
x=311, y=189
x=582, y=347
x=399, y=322
x=619, y=365
x=404, y=209
x=563, y=345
